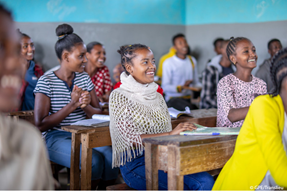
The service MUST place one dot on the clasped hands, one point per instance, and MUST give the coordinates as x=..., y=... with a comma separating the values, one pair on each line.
x=80, y=97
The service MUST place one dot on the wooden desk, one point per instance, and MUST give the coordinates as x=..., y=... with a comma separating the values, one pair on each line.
x=91, y=137
x=182, y=155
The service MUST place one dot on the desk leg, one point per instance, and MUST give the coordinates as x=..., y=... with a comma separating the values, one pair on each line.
x=151, y=166
x=86, y=163
x=175, y=182
x=75, y=162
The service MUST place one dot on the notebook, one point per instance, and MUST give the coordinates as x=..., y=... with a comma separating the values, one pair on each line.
x=202, y=130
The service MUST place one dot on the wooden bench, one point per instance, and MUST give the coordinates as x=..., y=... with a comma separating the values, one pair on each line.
x=25, y=115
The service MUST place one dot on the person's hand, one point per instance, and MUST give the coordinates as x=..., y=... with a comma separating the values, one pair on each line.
x=101, y=99
x=186, y=126
x=187, y=82
x=105, y=97
x=85, y=99
x=75, y=95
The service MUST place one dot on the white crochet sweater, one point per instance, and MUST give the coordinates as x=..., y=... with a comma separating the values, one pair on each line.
x=135, y=109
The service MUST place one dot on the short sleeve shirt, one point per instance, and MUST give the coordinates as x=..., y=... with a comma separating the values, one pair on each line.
x=60, y=94
x=233, y=93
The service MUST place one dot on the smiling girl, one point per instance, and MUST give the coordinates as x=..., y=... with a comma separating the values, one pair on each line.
x=67, y=96
x=235, y=92
x=33, y=72
x=98, y=72
x=138, y=111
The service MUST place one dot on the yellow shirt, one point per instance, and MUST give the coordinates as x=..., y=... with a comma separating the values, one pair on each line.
x=258, y=148
x=171, y=53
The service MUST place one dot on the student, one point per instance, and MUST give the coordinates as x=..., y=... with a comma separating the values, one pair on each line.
x=274, y=45
x=98, y=72
x=118, y=69
x=235, y=92
x=260, y=157
x=171, y=53
x=33, y=72
x=179, y=72
x=217, y=45
x=216, y=69
x=23, y=159
x=67, y=96
x=137, y=111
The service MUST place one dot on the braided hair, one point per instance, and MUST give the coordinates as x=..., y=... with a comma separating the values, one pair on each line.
x=231, y=47
x=278, y=70
x=128, y=53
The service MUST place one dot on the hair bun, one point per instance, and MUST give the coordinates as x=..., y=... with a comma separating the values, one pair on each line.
x=64, y=29
x=231, y=38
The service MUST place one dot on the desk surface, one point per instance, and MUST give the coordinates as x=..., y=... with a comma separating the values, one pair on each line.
x=200, y=113
x=181, y=140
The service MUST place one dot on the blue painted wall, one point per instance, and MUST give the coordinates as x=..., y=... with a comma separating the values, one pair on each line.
x=174, y=12
x=234, y=11
x=99, y=11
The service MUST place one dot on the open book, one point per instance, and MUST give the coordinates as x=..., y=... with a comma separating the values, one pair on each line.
x=96, y=121
x=174, y=113
x=202, y=130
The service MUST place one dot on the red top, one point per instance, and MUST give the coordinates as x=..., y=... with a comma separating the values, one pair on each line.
x=159, y=89
x=102, y=81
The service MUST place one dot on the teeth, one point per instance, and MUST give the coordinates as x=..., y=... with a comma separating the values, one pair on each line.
x=29, y=54
x=152, y=73
x=10, y=81
x=252, y=60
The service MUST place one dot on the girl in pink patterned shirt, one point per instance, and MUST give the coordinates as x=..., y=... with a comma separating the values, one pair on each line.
x=98, y=72
x=235, y=92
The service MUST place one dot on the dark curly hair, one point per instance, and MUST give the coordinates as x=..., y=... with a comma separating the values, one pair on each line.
x=231, y=47
x=278, y=70
x=128, y=53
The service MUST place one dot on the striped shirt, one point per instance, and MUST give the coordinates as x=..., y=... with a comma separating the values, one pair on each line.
x=60, y=94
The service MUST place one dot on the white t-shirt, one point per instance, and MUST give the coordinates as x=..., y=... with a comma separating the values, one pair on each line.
x=175, y=72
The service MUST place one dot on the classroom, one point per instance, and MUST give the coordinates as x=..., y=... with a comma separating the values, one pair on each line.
x=143, y=94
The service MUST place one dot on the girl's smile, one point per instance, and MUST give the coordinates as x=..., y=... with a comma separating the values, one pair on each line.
x=143, y=66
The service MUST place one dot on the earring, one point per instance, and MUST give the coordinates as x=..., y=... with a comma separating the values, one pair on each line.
x=234, y=63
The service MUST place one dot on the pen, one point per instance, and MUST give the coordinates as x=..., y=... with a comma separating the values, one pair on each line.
x=201, y=134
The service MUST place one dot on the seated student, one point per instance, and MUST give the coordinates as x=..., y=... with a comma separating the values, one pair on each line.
x=33, y=72
x=260, y=157
x=137, y=111
x=171, y=53
x=235, y=92
x=118, y=69
x=67, y=96
x=215, y=70
x=98, y=72
x=274, y=45
x=23, y=159
x=179, y=72
x=217, y=43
